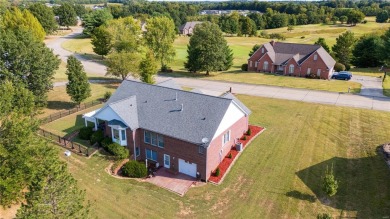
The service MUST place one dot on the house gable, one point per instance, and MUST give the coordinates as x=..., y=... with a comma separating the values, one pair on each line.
x=232, y=115
x=108, y=114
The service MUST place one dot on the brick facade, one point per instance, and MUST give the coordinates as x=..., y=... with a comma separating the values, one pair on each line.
x=187, y=151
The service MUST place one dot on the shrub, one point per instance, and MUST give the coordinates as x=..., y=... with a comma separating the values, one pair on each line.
x=105, y=142
x=107, y=95
x=230, y=155
x=86, y=133
x=243, y=138
x=244, y=67
x=347, y=67
x=302, y=37
x=329, y=183
x=324, y=216
x=134, y=169
x=118, y=151
x=364, y=22
x=249, y=132
x=264, y=34
x=97, y=136
x=278, y=36
x=339, y=67
x=217, y=172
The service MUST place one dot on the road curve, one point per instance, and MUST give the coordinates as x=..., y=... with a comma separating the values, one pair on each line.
x=330, y=98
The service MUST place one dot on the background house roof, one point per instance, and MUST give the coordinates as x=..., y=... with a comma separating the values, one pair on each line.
x=158, y=110
x=189, y=25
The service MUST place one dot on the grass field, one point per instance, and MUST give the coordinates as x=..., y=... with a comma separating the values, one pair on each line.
x=59, y=100
x=278, y=175
x=386, y=86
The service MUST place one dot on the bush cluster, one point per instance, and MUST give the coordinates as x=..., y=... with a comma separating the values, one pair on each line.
x=134, y=169
x=217, y=172
x=118, y=151
x=85, y=133
x=339, y=67
x=244, y=67
x=97, y=136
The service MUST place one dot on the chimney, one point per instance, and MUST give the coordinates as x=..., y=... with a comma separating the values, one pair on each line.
x=272, y=42
x=181, y=109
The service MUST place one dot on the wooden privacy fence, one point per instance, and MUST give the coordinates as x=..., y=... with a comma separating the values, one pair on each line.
x=63, y=113
x=68, y=144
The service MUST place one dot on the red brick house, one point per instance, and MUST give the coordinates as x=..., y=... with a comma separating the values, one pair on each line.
x=187, y=132
x=292, y=59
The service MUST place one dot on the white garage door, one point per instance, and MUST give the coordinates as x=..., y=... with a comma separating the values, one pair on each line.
x=187, y=168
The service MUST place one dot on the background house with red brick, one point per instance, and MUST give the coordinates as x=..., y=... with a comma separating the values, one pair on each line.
x=293, y=59
x=188, y=27
x=183, y=131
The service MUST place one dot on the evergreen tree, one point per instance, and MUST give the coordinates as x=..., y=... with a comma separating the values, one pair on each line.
x=101, y=41
x=123, y=64
x=45, y=16
x=321, y=41
x=15, y=19
x=368, y=51
x=67, y=15
x=27, y=61
x=386, y=47
x=382, y=16
x=343, y=47
x=78, y=87
x=254, y=49
x=208, y=50
x=95, y=19
x=54, y=193
x=159, y=38
x=148, y=68
x=329, y=183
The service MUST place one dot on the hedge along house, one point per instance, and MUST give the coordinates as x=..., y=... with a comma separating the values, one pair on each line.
x=292, y=59
x=183, y=131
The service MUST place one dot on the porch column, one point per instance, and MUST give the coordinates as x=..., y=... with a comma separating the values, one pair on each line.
x=85, y=120
x=95, y=121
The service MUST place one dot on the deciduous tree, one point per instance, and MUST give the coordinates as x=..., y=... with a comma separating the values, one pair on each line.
x=27, y=61
x=343, y=47
x=354, y=17
x=329, y=183
x=386, y=47
x=343, y=19
x=123, y=64
x=159, y=38
x=207, y=49
x=382, y=16
x=45, y=16
x=101, y=41
x=78, y=87
x=67, y=15
x=148, y=68
x=15, y=19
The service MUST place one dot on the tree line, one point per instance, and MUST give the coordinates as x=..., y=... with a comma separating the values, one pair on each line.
x=31, y=173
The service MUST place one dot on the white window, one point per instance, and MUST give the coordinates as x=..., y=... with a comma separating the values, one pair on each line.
x=315, y=57
x=137, y=152
x=147, y=137
x=226, y=138
x=256, y=64
x=250, y=63
x=308, y=71
x=119, y=136
x=115, y=134
x=319, y=72
x=262, y=50
x=153, y=139
x=265, y=66
x=151, y=155
x=291, y=69
x=160, y=141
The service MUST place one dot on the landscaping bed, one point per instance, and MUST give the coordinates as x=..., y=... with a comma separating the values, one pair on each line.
x=229, y=160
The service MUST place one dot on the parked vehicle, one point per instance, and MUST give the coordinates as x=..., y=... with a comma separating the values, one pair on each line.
x=343, y=75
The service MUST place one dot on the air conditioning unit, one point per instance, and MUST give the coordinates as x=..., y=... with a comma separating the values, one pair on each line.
x=239, y=146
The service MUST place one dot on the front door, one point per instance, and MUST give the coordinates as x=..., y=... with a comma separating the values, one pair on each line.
x=167, y=161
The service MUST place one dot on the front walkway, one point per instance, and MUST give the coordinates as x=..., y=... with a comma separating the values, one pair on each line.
x=177, y=183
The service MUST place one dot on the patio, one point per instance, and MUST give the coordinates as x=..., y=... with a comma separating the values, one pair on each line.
x=177, y=183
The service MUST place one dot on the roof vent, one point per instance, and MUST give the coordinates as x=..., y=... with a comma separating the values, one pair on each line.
x=145, y=101
x=204, y=118
x=181, y=109
x=176, y=97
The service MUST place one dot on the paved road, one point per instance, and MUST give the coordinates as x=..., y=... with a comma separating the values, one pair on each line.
x=371, y=98
x=371, y=86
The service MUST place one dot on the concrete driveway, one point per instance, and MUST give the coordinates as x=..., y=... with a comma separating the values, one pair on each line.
x=371, y=86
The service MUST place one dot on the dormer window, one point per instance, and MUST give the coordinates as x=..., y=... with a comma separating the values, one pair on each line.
x=262, y=50
x=315, y=57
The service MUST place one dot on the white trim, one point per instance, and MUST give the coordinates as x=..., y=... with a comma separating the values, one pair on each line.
x=116, y=114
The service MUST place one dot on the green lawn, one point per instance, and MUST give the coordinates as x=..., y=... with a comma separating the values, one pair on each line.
x=386, y=86
x=373, y=72
x=277, y=176
x=59, y=100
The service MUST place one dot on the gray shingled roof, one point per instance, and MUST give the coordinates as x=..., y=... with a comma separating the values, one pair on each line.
x=188, y=25
x=128, y=113
x=158, y=111
x=281, y=53
x=238, y=102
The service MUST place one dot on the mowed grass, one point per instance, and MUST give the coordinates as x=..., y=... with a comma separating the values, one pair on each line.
x=59, y=100
x=386, y=86
x=68, y=124
x=373, y=72
x=277, y=176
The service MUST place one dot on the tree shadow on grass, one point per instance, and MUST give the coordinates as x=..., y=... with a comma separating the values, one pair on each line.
x=60, y=105
x=364, y=185
x=76, y=125
x=302, y=196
